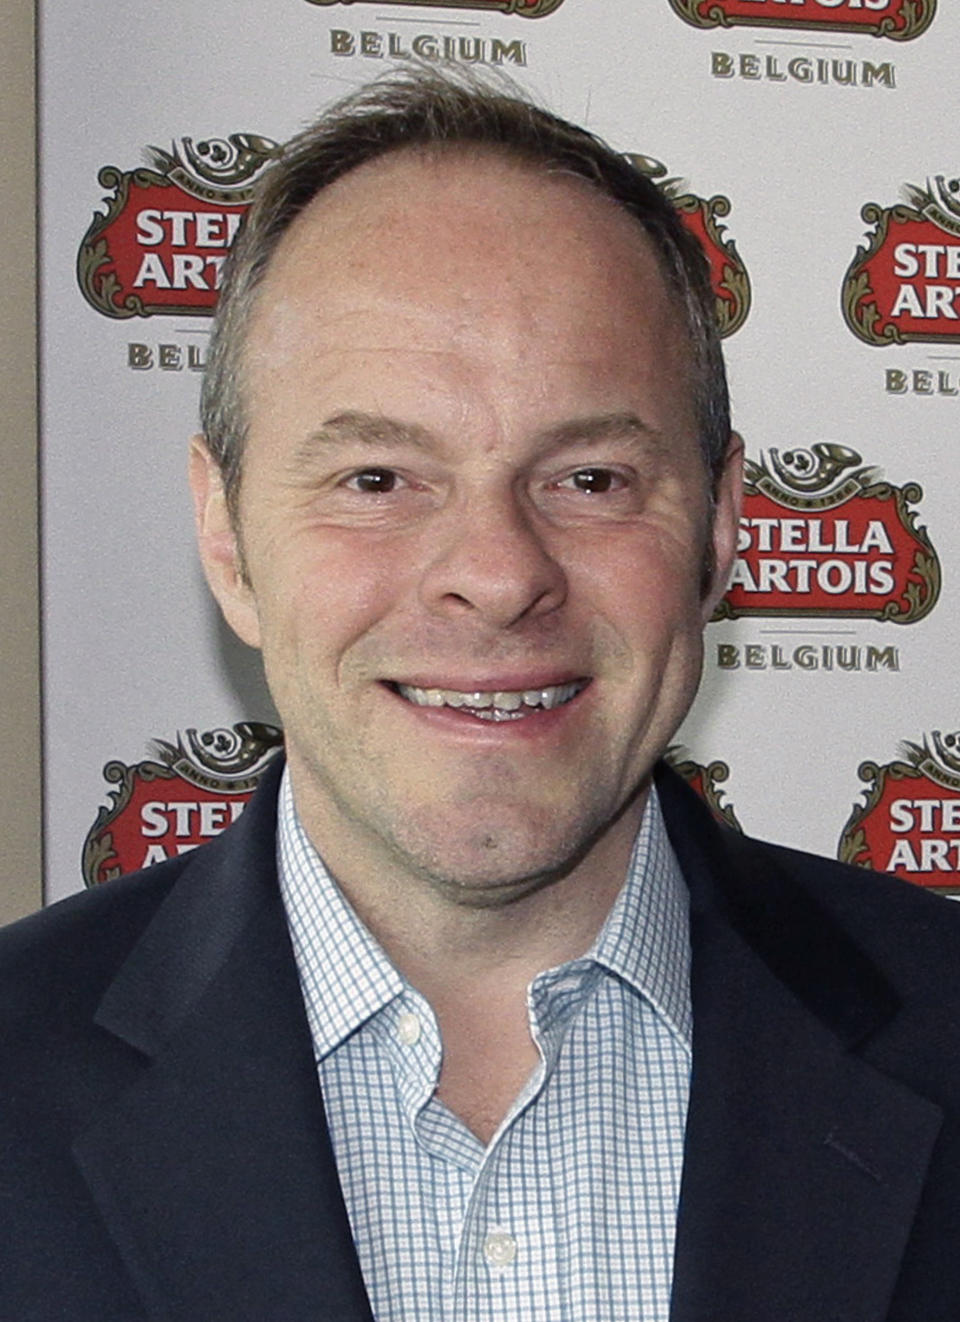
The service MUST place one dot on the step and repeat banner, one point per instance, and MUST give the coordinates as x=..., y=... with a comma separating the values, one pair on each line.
x=812, y=146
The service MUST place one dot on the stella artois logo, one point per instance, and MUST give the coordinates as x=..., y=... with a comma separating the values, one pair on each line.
x=901, y=20
x=525, y=8
x=905, y=284
x=192, y=790
x=910, y=822
x=822, y=534
x=705, y=779
x=728, y=275
x=159, y=246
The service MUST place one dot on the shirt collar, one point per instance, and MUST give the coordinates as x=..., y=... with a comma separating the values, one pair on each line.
x=646, y=938
x=347, y=978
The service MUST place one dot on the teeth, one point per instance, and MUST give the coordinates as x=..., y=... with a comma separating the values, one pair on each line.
x=498, y=705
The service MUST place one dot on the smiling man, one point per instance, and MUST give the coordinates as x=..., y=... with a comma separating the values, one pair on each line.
x=476, y=1014
x=473, y=514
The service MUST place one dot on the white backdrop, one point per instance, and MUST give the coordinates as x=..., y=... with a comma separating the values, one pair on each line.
x=798, y=126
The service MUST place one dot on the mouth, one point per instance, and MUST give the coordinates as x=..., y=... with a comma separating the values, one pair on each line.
x=494, y=704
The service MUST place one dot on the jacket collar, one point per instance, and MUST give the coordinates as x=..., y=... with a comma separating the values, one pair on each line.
x=804, y=1163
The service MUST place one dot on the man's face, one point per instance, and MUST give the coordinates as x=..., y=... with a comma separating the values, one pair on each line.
x=473, y=517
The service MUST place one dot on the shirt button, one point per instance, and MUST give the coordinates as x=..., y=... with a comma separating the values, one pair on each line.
x=499, y=1248
x=408, y=1029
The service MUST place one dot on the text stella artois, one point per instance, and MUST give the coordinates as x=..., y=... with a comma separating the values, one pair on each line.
x=820, y=535
x=818, y=558
x=173, y=251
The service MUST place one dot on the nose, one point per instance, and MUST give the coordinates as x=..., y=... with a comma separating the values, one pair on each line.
x=495, y=564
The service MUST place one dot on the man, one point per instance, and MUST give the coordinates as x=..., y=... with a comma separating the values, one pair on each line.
x=414, y=1039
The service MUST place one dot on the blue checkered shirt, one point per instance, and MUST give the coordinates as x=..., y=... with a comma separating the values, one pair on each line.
x=569, y=1214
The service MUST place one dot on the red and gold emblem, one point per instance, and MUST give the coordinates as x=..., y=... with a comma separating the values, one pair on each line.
x=910, y=822
x=189, y=792
x=823, y=534
x=900, y=20
x=705, y=779
x=728, y=275
x=159, y=246
x=905, y=284
x=524, y=8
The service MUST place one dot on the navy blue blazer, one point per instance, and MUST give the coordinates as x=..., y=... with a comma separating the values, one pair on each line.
x=164, y=1154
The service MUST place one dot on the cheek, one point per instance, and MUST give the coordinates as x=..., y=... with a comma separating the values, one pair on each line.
x=646, y=581
x=320, y=591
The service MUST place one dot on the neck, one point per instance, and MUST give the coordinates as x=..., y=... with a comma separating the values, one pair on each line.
x=473, y=965
x=447, y=938
x=472, y=952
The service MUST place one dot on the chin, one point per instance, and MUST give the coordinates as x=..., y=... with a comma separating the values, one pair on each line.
x=489, y=864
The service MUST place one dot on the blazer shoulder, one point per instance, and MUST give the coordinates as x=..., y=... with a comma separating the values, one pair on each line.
x=80, y=943
x=815, y=913
x=913, y=931
x=59, y=962
x=75, y=946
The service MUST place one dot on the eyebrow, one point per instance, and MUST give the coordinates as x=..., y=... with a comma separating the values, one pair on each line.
x=368, y=428
x=353, y=425
x=599, y=427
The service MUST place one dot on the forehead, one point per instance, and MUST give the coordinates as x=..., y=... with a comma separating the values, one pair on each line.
x=492, y=258
x=471, y=184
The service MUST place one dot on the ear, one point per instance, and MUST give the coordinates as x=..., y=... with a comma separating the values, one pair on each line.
x=726, y=524
x=218, y=545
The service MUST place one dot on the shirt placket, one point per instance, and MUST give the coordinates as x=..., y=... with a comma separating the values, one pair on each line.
x=449, y=1154
x=508, y=1250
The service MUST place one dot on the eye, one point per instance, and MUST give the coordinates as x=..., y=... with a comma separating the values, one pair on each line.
x=593, y=481
x=374, y=481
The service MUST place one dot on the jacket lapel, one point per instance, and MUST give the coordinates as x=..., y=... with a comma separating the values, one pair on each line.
x=803, y=1163
x=214, y=1172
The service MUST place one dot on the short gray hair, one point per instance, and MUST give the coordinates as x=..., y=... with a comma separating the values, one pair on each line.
x=423, y=108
